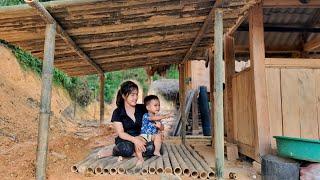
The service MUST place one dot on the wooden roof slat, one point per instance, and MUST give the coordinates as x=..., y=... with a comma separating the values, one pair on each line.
x=64, y=35
x=111, y=32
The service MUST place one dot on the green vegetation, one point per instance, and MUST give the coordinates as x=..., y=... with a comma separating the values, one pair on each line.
x=85, y=89
x=15, y=2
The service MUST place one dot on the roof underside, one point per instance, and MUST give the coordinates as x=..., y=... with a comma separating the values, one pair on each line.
x=286, y=41
x=117, y=34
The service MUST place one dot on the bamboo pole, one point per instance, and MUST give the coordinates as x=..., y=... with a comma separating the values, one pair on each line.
x=45, y=107
x=145, y=166
x=202, y=173
x=152, y=166
x=74, y=168
x=102, y=78
x=218, y=93
x=113, y=170
x=107, y=166
x=166, y=161
x=91, y=168
x=205, y=165
x=184, y=167
x=123, y=168
x=175, y=165
x=99, y=168
x=182, y=96
x=193, y=172
x=83, y=167
x=159, y=165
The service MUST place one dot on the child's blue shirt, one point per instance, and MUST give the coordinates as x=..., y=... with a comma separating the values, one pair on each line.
x=148, y=126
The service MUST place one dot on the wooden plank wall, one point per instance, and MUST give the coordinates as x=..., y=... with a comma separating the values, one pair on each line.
x=293, y=98
x=293, y=87
x=242, y=90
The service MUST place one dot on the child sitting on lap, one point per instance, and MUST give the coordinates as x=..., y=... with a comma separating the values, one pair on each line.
x=151, y=123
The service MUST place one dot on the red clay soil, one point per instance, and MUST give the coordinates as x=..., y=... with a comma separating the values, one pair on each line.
x=19, y=108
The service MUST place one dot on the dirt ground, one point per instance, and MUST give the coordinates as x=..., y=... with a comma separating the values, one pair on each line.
x=69, y=142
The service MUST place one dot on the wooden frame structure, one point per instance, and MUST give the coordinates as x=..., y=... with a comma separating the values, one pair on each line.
x=257, y=100
x=263, y=96
x=161, y=37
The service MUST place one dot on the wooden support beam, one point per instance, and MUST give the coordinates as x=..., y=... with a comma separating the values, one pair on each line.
x=45, y=101
x=102, y=78
x=257, y=55
x=62, y=33
x=218, y=93
x=200, y=34
x=229, y=58
x=283, y=28
x=294, y=63
x=312, y=45
x=290, y=4
x=182, y=97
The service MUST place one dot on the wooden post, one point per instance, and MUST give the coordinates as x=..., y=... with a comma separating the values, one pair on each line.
x=218, y=93
x=257, y=57
x=182, y=97
x=45, y=107
x=102, y=78
x=211, y=74
x=229, y=58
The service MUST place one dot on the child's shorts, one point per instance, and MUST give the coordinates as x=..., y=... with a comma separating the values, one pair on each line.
x=147, y=137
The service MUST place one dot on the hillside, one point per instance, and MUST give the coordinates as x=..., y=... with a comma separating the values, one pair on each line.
x=19, y=109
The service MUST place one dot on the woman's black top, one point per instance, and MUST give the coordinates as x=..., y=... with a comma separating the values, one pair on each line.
x=129, y=126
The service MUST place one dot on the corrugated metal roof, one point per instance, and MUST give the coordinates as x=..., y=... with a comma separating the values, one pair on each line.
x=284, y=17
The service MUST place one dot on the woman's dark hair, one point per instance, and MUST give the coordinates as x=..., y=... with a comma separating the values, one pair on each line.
x=125, y=89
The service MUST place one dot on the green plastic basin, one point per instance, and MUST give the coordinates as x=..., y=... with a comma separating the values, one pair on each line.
x=298, y=148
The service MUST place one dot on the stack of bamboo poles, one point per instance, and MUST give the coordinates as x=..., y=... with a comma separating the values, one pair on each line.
x=176, y=159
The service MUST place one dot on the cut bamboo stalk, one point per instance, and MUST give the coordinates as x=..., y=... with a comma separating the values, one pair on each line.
x=114, y=169
x=145, y=165
x=184, y=167
x=99, y=168
x=159, y=165
x=83, y=167
x=126, y=166
x=107, y=166
x=175, y=165
x=166, y=160
x=202, y=173
x=90, y=169
x=152, y=166
x=205, y=165
x=193, y=172
x=74, y=168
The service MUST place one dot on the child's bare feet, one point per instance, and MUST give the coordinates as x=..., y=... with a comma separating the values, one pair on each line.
x=157, y=154
x=139, y=162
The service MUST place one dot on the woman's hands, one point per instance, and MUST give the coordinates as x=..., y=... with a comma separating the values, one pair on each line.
x=139, y=144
